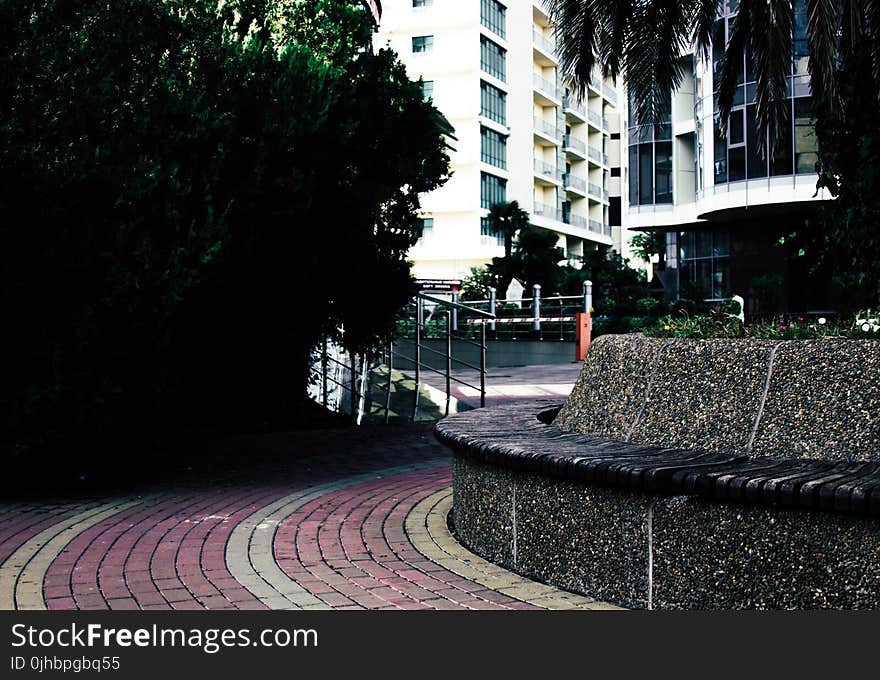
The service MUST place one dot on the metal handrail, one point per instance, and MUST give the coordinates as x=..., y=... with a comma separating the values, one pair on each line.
x=454, y=305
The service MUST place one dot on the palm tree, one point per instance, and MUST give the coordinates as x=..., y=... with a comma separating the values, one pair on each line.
x=643, y=40
x=507, y=218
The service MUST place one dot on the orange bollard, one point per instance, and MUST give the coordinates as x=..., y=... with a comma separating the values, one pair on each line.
x=583, y=326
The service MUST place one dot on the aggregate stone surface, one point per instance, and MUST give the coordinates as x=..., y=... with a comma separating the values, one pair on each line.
x=610, y=392
x=823, y=402
x=583, y=538
x=484, y=509
x=727, y=556
x=705, y=394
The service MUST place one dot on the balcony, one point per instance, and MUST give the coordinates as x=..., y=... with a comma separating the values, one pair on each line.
x=609, y=93
x=547, y=173
x=547, y=211
x=574, y=184
x=545, y=46
x=595, y=119
x=595, y=155
x=594, y=191
x=576, y=221
x=575, y=146
x=574, y=109
x=546, y=132
x=546, y=92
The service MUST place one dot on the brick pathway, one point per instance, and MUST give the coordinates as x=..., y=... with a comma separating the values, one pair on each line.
x=320, y=520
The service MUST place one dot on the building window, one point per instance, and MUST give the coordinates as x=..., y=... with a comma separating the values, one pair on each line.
x=486, y=230
x=704, y=258
x=493, y=103
x=493, y=148
x=493, y=58
x=428, y=89
x=742, y=153
x=422, y=3
x=492, y=15
x=492, y=190
x=425, y=228
x=422, y=43
x=650, y=161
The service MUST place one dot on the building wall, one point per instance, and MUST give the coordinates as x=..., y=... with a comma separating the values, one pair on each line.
x=715, y=191
x=558, y=149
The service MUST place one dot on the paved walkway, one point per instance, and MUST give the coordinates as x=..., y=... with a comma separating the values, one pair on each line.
x=321, y=520
x=510, y=384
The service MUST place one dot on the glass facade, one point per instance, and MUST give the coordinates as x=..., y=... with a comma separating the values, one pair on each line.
x=493, y=103
x=425, y=228
x=650, y=160
x=704, y=265
x=493, y=148
x=743, y=154
x=422, y=43
x=493, y=58
x=492, y=190
x=486, y=230
x=492, y=16
x=428, y=89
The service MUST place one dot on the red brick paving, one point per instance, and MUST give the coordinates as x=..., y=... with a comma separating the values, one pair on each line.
x=348, y=547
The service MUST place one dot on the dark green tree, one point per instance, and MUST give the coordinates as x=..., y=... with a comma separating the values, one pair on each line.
x=191, y=196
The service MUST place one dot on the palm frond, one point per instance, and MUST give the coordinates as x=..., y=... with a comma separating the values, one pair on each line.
x=653, y=64
x=705, y=12
x=613, y=34
x=576, y=39
x=822, y=18
x=770, y=53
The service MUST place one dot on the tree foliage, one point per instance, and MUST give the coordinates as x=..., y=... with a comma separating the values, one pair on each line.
x=644, y=41
x=192, y=194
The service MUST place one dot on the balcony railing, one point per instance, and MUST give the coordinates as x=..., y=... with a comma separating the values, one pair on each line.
x=607, y=230
x=576, y=220
x=595, y=154
x=569, y=102
x=594, y=118
x=574, y=182
x=576, y=143
x=595, y=226
x=546, y=127
x=548, y=211
x=546, y=86
x=604, y=159
x=546, y=44
x=609, y=92
x=605, y=122
x=547, y=170
x=594, y=190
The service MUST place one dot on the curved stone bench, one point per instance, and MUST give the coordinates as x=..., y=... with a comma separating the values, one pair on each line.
x=650, y=505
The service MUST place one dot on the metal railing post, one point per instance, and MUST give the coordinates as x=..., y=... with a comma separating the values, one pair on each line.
x=420, y=317
x=448, y=359
x=390, y=375
x=324, y=369
x=418, y=363
x=492, y=310
x=536, y=309
x=454, y=313
x=588, y=296
x=354, y=392
x=482, y=365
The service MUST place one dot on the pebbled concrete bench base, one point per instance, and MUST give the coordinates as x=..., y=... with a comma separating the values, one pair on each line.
x=653, y=527
x=665, y=552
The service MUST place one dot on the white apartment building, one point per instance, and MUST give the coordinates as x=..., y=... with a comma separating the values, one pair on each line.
x=491, y=69
x=722, y=204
